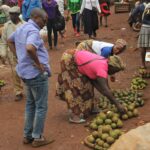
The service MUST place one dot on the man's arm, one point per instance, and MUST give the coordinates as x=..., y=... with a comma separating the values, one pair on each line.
x=101, y=84
x=11, y=45
x=32, y=52
x=4, y=38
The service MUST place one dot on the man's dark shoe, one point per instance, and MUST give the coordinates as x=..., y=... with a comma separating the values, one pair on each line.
x=18, y=97
x=41, y=142
x=27, y=140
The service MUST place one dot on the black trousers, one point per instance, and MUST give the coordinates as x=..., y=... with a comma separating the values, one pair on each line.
x=90, y=20
x=50, y=28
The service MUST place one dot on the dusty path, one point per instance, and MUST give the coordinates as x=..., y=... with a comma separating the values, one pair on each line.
x=67, y=136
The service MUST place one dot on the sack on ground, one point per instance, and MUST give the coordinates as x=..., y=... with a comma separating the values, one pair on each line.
x=135, y=139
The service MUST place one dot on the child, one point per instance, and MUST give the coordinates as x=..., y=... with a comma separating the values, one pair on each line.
x=105, y=11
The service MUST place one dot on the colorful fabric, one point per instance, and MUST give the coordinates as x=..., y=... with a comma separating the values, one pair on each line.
x=76, y=88
x=86, y=44
x=97, y=67
x=74, y=6
x=73, y=87
x=105, y=11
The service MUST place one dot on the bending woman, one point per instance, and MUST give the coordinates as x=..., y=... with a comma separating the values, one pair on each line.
x=81, y=71
x=102, y=48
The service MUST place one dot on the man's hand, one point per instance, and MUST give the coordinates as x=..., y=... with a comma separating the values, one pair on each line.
x=31, y=49
x=40, y=67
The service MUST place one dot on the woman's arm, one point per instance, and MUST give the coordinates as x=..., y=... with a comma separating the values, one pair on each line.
x=82, y=6
x=101, y=84
x=98, y=6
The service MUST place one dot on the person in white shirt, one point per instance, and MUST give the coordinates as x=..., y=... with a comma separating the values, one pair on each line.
x=89, y=10
x=102, y=48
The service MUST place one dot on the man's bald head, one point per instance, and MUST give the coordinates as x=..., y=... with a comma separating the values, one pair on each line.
x=39, y=16
x=37, y=12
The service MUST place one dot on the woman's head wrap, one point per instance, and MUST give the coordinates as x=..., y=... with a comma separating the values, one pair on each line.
x=116, y=62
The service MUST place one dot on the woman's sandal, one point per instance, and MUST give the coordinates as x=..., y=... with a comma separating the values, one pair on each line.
x=77, y=121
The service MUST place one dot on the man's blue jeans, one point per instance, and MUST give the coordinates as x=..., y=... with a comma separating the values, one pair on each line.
x=36, y=105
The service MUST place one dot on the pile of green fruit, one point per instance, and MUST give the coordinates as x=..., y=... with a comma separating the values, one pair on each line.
x=131, y=112
x=126, y=97
x=2, y=83
x=106, y=132
x=144, y=73
x=103, y=138
x=106, y=125
x=103, y=119
x=138, y=83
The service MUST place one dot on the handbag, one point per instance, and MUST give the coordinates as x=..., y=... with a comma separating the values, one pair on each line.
x=94, y=9
x=59, y=22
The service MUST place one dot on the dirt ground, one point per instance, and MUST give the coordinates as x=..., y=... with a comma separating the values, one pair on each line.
x=68, y=136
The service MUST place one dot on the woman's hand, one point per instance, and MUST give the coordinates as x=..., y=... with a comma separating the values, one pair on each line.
x=121, y=109
x=112, y=78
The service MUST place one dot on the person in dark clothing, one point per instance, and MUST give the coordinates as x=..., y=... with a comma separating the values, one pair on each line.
x=51, y=7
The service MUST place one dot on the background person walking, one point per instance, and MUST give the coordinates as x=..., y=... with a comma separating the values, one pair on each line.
x=89, y=10
x=74, y=8
x=105, y=12
x=51, y=8
x=144, y=35
x=8, y=29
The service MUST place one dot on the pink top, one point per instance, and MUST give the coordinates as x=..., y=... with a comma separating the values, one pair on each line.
x=94, y=69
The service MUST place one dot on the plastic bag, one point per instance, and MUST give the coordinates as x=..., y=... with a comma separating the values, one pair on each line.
x=135, y=139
